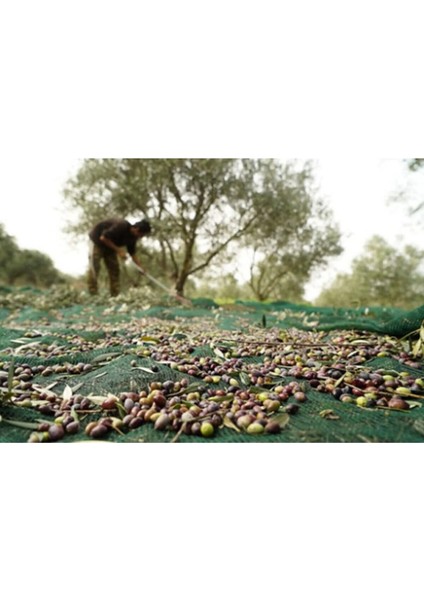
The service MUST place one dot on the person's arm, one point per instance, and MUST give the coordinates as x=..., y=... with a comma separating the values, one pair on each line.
x=137, y=262
x=108, y=242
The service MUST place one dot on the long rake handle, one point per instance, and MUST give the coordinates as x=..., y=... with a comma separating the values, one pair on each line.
x=161, y=285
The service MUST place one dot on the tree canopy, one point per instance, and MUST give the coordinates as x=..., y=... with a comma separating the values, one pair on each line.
x=207, y=211
x=25, y=267
x=381, y=276
x=410, y=193
x=415, y=163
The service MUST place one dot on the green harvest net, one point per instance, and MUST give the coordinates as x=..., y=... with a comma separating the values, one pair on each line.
x=216, y=362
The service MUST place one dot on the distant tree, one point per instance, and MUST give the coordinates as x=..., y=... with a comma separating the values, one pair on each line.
x=223, y=287
x=415, y=163
x=206, y=210
x=25, y=267
x=31, y=267
x=410, y=193
x=294, y=235
x=8, y=250
x=381, y=276
x=279, y=278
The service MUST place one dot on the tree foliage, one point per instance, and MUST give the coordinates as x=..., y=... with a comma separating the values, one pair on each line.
x=414, y=164
x=381, y=276
x=204, y=211
x=411, y=193
x=25, y=267
x=293, y=236
x=222, y=286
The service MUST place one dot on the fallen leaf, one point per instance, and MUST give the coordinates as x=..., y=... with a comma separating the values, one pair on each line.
x=67, y=393
x=418, y=425
x=282, y=419
x=228, y=423
x=328, y=414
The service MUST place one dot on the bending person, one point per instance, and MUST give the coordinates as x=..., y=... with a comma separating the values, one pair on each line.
x=111, y=239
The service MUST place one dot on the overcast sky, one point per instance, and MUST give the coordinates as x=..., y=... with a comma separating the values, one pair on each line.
x=33, y=209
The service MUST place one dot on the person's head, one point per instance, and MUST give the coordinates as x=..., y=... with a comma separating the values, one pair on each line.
x=142, y=228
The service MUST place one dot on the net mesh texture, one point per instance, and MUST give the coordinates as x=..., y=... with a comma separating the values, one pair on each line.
x=129, y=347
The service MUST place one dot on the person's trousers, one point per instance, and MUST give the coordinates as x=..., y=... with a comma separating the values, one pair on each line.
x=110, y=258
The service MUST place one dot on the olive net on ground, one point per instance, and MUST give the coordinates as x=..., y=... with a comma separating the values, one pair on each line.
x=95, y=351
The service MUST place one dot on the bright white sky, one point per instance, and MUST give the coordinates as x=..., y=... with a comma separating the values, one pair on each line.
x=33, y=209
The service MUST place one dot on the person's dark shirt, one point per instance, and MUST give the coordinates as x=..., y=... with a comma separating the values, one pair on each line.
x=116, y=230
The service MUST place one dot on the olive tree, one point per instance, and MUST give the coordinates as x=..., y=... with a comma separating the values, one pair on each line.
x=294, y=235
x=415, y=163
x=381, y=276
x=25, y=267
x=8, y=250
x=409, y=193
x=203, y=211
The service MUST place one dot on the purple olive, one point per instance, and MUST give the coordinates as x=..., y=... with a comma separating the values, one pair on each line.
x=56, y=432
x=98, y=431
x=72, y=427
x=272, y=427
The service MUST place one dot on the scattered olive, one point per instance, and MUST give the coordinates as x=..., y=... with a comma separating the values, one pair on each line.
x=89, y=427
x=272, y=427
x=255, y=428
x=193, y=427
x=98, y=431
x=398, y=403
x=109, y=403
x=56, y=432
x=162, y=422
x=72, y=427
x=207, y=429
